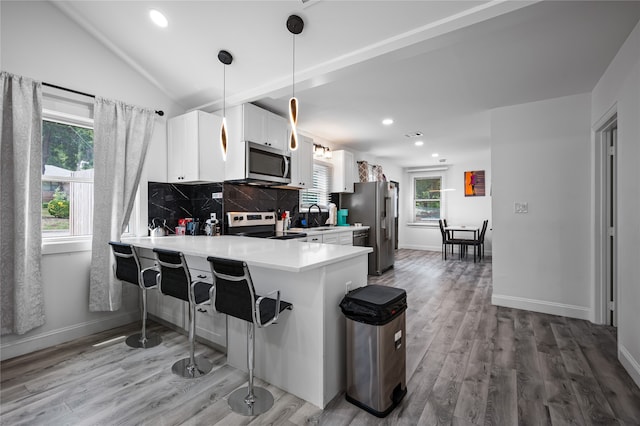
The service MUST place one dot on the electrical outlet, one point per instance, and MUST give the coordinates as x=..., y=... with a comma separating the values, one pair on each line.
x=348, y=287
x=521, y=207
x=216, y=195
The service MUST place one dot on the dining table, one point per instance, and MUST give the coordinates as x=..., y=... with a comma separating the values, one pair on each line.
x=463, y=228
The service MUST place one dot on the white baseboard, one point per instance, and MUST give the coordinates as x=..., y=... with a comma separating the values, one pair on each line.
x=55, y=337
x=629, y=363
x=419, y=247
x=433, y=248
x=543, y=306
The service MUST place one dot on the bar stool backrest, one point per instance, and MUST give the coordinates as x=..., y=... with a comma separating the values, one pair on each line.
x=233, y=288
x=442, y=231
x=175, y=279
x=127, y=262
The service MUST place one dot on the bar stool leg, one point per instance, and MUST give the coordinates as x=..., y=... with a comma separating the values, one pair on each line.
x=194, y=366
x=140, y=340
x=250, y=400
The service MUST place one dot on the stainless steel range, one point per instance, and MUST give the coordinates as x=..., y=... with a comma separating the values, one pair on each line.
x=257, y=224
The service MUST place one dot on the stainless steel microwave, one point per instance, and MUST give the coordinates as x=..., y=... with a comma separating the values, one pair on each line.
x=266, y=165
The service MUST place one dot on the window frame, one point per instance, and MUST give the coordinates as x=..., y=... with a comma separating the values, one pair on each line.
x=81, y=115
x=428, y=222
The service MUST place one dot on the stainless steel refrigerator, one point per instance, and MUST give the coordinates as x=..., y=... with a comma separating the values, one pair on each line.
x=374, y=204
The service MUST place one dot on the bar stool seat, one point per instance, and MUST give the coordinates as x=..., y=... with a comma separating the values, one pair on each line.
x=127, y=268
x=175, y=281
x=234, y=295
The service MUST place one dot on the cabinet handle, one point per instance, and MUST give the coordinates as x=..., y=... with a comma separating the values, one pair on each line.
x=204, y=311
x=202, y=276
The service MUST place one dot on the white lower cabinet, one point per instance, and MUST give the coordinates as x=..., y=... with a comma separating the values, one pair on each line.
x=341, y=238
x=209, y=325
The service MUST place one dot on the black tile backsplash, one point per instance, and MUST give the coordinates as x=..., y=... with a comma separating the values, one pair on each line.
x=174, y=201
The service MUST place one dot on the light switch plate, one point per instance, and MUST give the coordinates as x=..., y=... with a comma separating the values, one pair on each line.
x=521, y=207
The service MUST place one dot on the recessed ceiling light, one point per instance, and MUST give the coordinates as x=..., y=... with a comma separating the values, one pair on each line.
x=387, y=121
x=435, y=154
x=418, y=143
x=158, y=18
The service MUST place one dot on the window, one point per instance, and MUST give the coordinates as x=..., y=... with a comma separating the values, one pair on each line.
x=319, y=194
x=67, y=175
x=427, y=192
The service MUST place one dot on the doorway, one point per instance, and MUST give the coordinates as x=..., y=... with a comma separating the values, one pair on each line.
x=606, y=214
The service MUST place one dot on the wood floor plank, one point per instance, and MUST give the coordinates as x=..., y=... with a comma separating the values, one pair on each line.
x=468, y=363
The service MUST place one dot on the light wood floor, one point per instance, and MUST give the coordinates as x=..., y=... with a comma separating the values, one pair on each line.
x=468, y=362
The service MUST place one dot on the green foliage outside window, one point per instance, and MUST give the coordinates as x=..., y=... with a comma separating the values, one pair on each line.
x=59, y=205
x=427, y=196
x=66, y=146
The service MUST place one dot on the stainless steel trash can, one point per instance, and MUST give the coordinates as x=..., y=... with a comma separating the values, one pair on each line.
x=376, y=350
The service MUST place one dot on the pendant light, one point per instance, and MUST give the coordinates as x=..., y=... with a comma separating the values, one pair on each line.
x=226, y=58
x=295, y=25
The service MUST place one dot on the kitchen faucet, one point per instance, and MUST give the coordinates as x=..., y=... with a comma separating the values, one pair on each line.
x=315, y=220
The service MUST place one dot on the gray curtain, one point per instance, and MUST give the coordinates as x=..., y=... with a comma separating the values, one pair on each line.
x=21, y=204
x=121, y=134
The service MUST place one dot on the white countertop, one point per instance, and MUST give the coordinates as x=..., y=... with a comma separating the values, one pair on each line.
x=285, y=255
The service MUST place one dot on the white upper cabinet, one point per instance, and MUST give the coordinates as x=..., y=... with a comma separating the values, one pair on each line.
x=344, y=171
x=302, y=164
x=264, y=127
x=193, y=149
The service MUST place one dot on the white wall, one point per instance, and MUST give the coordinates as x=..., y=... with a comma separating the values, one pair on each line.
x=38, y=41
x=619, y=89
x=541, y=155
x=458, y=209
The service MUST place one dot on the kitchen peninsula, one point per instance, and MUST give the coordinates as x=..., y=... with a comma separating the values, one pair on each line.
x=304, y=354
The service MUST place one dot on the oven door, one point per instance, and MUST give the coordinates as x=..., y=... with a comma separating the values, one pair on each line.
x=267, y=164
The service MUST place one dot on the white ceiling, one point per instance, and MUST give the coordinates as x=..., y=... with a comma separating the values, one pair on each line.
x=436, y=67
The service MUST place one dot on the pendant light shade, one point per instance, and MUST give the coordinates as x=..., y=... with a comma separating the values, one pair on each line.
x=293, y=119
x=295, y=25
x=226, y=58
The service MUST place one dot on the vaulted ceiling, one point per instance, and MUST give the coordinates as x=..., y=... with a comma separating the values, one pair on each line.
x=436, y=67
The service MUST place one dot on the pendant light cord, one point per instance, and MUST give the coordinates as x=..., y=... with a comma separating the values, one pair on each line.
x=224, y=90
x=293, y=74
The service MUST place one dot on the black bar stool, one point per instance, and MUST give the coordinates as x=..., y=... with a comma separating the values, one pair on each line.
x=234, y=295
x=127, y=268
x=175, y=281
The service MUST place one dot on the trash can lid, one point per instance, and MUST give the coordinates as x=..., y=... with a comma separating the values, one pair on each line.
x=377, y=295
x=374, y=304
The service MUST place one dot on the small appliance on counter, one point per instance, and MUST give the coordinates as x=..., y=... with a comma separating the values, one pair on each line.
x=342, y=217
x=157, y=229
x=333, y=215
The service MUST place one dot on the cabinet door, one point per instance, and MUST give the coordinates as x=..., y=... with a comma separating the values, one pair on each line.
x=183, y=153
x=254, y=123
x=344, y=171
x=209, y=324
x=176, y=143
x=346, y=238
x=314, y=239
x=302, y=164
x=277, y=131
x=331, y=238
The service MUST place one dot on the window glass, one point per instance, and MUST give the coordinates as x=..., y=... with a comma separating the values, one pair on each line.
x=67, y=178
x=319, y=194
x=427, y=199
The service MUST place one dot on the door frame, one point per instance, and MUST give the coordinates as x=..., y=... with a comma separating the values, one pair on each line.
x=602, y=269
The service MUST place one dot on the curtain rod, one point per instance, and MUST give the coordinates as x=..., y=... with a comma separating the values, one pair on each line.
x=160, y=113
